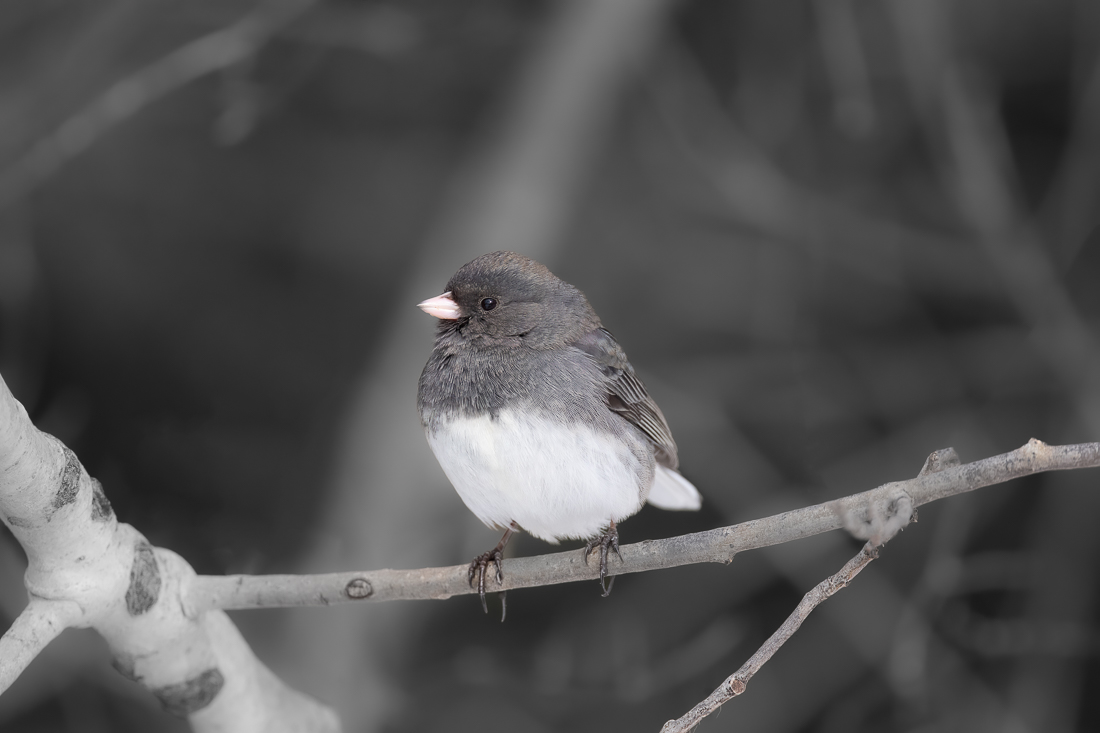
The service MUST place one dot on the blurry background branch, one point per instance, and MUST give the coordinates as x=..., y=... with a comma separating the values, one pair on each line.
x=959, y=112
x=218, y=50
x=959, y=108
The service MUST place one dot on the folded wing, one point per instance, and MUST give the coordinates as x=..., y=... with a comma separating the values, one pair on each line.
x=627, y=397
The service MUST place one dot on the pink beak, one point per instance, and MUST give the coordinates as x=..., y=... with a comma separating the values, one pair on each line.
x=441, y=306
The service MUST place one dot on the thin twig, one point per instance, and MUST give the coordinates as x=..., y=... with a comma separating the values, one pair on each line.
x=38, y=624
x=879, y=508
x=735, y=684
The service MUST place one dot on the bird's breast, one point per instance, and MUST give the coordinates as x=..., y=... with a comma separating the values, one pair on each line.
x=557, y=478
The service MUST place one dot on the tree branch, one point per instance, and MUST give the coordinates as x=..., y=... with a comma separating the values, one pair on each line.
x=162, y=623
x=875, y=515
x=85, y=568
x=39, y=624
x=735, y=684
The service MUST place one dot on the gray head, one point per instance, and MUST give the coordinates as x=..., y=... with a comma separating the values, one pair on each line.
x=510, y=299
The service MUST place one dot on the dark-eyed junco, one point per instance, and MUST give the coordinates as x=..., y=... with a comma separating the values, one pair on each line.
x=535, y=414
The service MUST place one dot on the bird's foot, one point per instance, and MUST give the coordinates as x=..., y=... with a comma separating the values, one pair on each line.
x=479, y=568
x=608, y=542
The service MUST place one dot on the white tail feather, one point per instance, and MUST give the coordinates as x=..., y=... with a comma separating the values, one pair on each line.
x=670, y=490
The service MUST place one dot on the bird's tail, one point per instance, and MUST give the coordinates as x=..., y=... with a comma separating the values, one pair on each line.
x=670, y=490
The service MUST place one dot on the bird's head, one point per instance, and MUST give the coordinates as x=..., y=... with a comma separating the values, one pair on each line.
x=511, y=299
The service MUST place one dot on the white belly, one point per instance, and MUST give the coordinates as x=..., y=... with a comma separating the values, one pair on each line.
x=554, y=481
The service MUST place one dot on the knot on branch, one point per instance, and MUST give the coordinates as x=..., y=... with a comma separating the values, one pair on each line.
x=145, y=580
x=101, y=506
x=876, y=516
x=1037, y=447
x=940, y=459
x=191, y=695
x=69, y=481
x=359, y=588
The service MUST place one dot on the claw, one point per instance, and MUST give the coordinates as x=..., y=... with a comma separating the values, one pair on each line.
x=608, y=541
x=481, y=563
x=478, y=569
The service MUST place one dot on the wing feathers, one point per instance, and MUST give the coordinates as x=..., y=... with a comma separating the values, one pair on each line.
x=627, y=396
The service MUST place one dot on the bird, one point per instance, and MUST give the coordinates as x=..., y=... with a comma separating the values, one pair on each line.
x=536, y=415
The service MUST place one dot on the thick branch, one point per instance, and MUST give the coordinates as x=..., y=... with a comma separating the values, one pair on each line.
x=942, y=477
x=735, y=684
x=39, y=624
x=87, y=569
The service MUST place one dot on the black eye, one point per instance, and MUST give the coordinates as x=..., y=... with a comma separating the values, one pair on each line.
x=488, y=304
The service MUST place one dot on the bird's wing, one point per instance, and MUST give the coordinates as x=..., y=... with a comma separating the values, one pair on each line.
x=626, y=395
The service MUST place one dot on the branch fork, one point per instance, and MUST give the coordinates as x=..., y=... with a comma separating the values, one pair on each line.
x=87, y=569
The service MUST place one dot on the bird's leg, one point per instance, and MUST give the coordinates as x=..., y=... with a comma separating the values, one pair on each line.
x=608, y=540
x=481, y=564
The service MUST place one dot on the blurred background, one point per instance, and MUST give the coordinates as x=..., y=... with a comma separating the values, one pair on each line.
x=833, y=236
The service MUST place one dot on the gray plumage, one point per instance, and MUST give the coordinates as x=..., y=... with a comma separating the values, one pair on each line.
x=539, y=363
